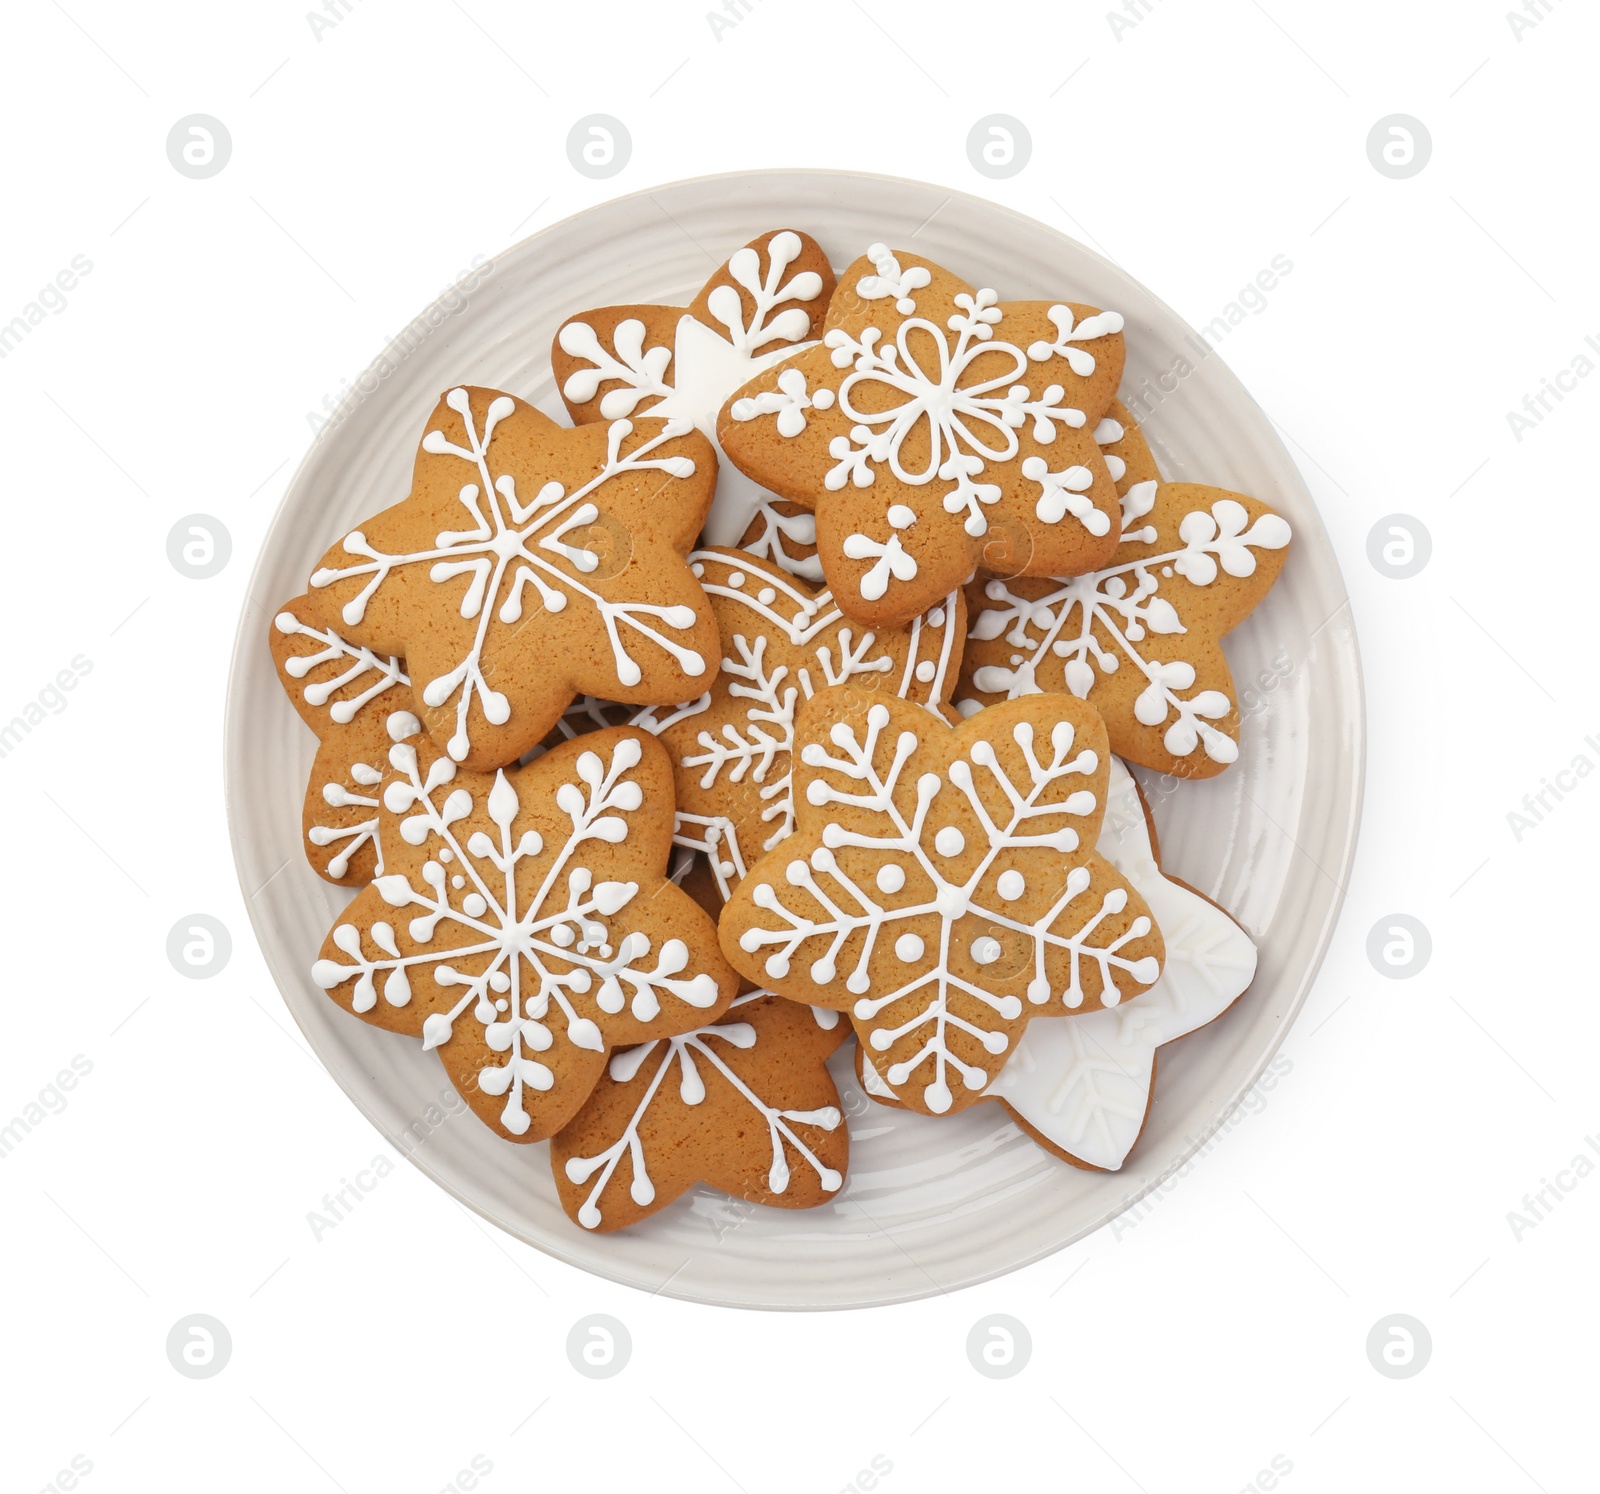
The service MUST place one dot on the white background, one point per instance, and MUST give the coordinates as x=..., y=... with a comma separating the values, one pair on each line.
x=1228, y=1326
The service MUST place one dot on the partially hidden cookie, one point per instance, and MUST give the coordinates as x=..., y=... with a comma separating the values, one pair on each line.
x=766, y=301
x=745, y=1103
x=1140, y=638
x=346, y=695
x=530, y=564
x=524, y=925
x=1127, y=454
x=1082, y=1089
x=782, y=641
x=937, y=430
x=942, y=887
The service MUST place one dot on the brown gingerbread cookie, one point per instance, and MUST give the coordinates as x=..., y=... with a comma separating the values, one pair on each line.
x=530, y=564
x=937, y=430
x=942, y=887
x=1083, y=1088
x=524, y=925
x=745, y=1103
x=1140, y=638
x=346, y=695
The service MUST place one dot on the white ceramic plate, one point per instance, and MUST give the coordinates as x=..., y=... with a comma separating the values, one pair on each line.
x=930, y=1205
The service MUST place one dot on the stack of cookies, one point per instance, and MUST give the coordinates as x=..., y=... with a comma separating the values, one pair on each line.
x=784, y=697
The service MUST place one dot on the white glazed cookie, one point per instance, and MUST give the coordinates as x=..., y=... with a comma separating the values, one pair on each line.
x=1082, y=1088
x=941, y=886
x=765, y=303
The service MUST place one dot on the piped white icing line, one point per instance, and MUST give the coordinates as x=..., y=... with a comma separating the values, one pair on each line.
x=694, y=378
x=846, y=909
x=686, y=1053
x=717, y=839
x=1126, y=601
x=351, y=788
x=762, y=748
x=551, y=950
x=1084, y=1083
x=362, y=661
x=360, y=793
x=501, y=552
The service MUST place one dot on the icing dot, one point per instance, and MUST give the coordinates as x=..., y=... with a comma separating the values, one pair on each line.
x=698, y=569
x=502, y=1005
x=891, y=878
x=900, y=517
x=736, y=578
x=1166, y=571
x=473, y=905
x=908, y=947
x=458, y=881
x=949, y=841
x=926, y=670
x=985, y=950
x=562, y=934
x=446, y=854
x=936, y=618
x=766, y=596
x=822, y=399
x=1011, y=885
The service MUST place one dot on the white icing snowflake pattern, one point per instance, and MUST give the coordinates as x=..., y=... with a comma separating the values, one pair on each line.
x=1124, y=601
x=512, y=546
x=357, y=663
x=772, y=686
x=966, y=889
x=1084, y=1084
x=686, y=1054
x=522, y=933
x=347, y=680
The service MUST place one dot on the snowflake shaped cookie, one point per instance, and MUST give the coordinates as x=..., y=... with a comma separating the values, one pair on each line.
x=1082, y=1088
x=1139, y=638
x=745, y=1104
x=767, y=301
x=782, y=641
x=935, y=431
x=941, y=886
x=524, y=926
x=346, y=695
x=530, y=564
